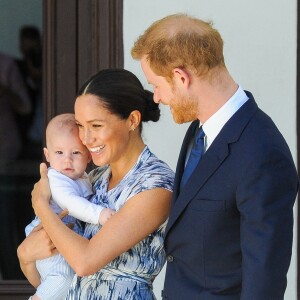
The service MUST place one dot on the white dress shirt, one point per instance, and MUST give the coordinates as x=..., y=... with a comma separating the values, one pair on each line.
x=216, y=122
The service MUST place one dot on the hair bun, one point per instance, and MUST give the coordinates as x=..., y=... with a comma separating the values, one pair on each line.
x=152, y=111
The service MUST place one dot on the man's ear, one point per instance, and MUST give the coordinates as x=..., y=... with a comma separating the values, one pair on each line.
x=46, y=153
x=182, y=77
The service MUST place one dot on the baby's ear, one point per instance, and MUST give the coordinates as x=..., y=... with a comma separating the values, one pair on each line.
x=46, y=153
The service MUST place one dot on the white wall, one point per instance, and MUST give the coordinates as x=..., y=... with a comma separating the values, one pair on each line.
x=260, y=52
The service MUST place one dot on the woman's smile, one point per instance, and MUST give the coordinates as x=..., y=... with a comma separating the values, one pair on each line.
x=98, y=149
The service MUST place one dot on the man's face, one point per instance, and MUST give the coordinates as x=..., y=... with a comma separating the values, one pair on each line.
x=27, y=46
x=161, y=87
x=182, y=107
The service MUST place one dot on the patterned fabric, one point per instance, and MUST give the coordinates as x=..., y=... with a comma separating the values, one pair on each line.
x=130, y=275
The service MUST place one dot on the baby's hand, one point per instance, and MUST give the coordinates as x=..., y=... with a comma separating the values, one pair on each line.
x=105, y=214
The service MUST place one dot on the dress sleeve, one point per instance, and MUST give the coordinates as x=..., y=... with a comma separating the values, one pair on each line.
x=154, y=174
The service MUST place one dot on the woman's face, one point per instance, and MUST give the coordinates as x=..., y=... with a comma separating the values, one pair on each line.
x=104, y=134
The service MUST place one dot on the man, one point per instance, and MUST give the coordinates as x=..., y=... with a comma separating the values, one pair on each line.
x=30, y=66
x=14, y=101
x=230, y=229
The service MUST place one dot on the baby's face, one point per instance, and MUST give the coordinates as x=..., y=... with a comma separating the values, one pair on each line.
x=67, y=155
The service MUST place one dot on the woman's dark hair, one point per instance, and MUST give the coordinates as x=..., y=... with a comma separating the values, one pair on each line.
x=121, y=92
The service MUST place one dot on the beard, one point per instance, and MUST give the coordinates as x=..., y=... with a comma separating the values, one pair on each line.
x=183, y=109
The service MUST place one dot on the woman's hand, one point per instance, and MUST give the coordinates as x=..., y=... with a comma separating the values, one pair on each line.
x=36, y=246
x=41, y=193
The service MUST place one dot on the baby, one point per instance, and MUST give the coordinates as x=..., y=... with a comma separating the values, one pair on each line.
x=70, y=189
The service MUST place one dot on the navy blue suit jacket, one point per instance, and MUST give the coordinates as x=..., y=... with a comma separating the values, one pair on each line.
x=230, y=230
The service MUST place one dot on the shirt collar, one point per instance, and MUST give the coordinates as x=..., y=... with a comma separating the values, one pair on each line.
x=215, y=123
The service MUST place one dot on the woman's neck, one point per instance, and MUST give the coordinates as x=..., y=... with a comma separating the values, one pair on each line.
x=124, y=165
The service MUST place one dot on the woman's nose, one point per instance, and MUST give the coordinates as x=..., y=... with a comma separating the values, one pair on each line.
x=86, y=137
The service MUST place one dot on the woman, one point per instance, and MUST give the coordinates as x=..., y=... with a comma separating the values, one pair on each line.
x=121, y=260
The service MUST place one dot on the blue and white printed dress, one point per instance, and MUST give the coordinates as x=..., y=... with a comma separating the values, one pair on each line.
x=129, y=276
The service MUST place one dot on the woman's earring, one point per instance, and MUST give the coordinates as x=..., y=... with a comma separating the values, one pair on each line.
x=132, y=129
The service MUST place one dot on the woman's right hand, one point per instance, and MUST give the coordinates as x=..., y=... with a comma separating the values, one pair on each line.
x=37, y=245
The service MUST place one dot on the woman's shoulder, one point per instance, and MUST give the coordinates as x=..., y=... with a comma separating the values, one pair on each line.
x=153, y=172
x=156, y=165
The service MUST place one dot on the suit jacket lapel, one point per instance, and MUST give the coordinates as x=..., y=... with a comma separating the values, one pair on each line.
x=210, y=161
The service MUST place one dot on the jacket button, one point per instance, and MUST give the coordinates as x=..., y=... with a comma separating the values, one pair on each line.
x=170, y=258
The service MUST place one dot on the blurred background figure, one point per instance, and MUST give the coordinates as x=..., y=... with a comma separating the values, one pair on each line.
x=30, y=67
x=21, y=152
x=21, y=127
x=14, y=103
